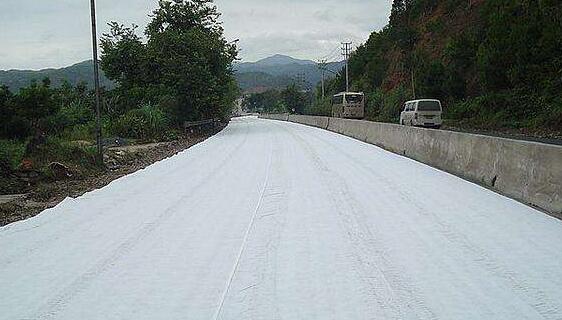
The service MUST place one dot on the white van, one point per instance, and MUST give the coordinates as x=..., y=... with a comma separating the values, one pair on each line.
x=423, y=113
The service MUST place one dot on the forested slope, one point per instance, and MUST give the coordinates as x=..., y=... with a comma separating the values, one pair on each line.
x=78, y=73
x=495, y=63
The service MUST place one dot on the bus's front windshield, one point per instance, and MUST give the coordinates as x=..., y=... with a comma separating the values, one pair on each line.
x=354, y=98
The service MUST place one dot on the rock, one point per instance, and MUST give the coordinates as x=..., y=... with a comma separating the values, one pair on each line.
x=115, y=142
x=60, y=171
x=26, y=165
x=120, y=154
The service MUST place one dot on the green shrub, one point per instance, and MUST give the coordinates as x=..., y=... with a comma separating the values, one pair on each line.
x=321, y=107
x=60, y=150
x=552, y=119
x=508, y=109
x=374, y=104
x=171, y=135
x=145, y=123
x=15, y=127
x=80, y=132
x=393, y=102
x=12, y=152
x=435, y=26
x=75, y=113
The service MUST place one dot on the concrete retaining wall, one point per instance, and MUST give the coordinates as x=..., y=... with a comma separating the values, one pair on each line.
x=527, y=171
x=281, y=116
x=319, y=122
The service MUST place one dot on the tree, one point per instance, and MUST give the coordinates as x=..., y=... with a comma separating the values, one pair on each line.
x=397, y=12
x=36, y=102
x=185, y=64
x=6, y=111
x=269, y=101
x=522, y=46
x=294, y=99
x=124, y=56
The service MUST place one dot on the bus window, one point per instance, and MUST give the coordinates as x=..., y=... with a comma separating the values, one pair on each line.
x=337, y=100
x=354, y=98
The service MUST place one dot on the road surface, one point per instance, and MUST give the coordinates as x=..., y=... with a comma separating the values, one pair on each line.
x=275, y=220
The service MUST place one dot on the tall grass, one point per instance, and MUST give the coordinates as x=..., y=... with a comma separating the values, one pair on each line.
x=146, y=123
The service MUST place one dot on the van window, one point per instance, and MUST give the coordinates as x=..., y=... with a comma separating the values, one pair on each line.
x=429, y=106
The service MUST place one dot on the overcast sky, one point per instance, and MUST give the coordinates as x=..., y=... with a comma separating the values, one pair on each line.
x=37, y=34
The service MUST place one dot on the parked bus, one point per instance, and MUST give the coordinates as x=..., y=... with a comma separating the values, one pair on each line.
x=350, y=105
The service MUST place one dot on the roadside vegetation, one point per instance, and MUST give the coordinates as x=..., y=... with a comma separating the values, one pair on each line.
x=292, y=99
x=180, y=70
x=496, y=64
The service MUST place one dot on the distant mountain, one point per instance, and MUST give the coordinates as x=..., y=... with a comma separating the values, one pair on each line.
x=285, y=68
x=260, y=81
x=278, y=60
x=274, y=72
x=80, y=72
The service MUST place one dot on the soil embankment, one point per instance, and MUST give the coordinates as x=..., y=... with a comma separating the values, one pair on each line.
x=119, y=161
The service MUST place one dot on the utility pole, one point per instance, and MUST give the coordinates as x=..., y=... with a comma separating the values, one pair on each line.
x=96, y=80
x=346, y=51
x=413, y=83
x=322, y=67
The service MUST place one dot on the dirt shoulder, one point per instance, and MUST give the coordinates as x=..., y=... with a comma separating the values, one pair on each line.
x=541, y=136
x=119, y=162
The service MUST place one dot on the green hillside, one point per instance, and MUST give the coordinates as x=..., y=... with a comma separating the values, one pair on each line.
x=255, y=81
x=283, y=68
x=495, y=64
x=80, y=72
x=275, y=72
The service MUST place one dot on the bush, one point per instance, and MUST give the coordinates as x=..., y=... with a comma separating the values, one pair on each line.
x=508, y=109
x=321, y=107
x=373, y=105
x=145, y=123
x=393, y=102
x=80, y=132
x=15, y=127
x=73, y=114
x=57, y=149
x=12, y=152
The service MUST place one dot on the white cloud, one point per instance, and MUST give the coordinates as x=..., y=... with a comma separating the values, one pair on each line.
x=37, y=34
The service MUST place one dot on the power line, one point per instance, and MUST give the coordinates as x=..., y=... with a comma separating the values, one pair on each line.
x=331, y=58
x=335, y=58
x=322, y=67
x=331, y=54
